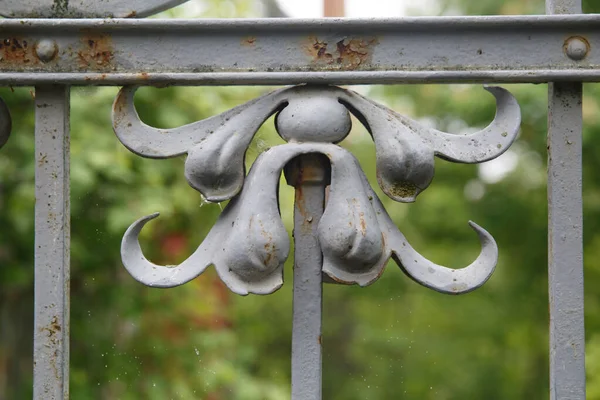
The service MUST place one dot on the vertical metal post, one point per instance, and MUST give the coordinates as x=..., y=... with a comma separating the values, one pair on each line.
x=309, y=174
x=52, y=239
x=334, y=8
x=565, y=248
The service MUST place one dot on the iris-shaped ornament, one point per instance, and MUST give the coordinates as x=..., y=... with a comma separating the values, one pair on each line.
x=248, y=245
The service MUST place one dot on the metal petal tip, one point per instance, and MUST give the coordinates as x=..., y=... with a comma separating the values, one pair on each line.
x=485, y=144
x=149, y=273
x=447, y=280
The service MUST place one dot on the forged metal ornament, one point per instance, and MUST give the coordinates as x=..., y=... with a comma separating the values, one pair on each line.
x=249, y=244
x=85, y=8
x=5, y=123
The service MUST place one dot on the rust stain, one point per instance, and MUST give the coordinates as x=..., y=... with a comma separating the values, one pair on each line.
x=43, y=159
x=269, y=249
x=17, y=51
x=53, y=330
x=95, y=52
x=120, y=105
x=320, y=339
x=363, y=224
x=249, y=41
x=299, y=199
x=269, y=246
x=582, y=38
x=346, y=54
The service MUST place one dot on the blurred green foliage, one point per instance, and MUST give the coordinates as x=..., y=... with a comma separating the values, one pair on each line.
x=392, y=340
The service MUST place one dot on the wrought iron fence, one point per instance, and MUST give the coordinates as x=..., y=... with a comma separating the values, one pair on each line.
x=342, y=232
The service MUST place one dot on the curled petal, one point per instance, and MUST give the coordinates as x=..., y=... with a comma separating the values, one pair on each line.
x=405, y=148
x=429, y=274
x=248, y=245
x=442, y=279
x=215, y=166
x=248, y=259
x=404, y=161
x=404, y=167
x=349, y=233
x=485, y=144
x=394, y=244
x=5, y=123
x=258, y=244
x=154, y=275
x=215, y=146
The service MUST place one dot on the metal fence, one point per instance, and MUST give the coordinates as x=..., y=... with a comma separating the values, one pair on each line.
x=342, y=233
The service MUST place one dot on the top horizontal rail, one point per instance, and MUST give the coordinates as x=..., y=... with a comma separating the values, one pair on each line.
x=288, y=51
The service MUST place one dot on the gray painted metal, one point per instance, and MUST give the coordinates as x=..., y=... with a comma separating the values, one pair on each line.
x=309, y=174
x=283, y=51
x=84, y=8
x=347, y=237
x=5, y=123
x=52, y=237
x=356, y=235
x=565, y=232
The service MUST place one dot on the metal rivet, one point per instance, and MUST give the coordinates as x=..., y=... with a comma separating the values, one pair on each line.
x=46, y=50
x=576, y=48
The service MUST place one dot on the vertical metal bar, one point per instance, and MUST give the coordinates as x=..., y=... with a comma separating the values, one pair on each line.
x=309, y=174
x=52, y=231
x=334, y=8
x=565, y=223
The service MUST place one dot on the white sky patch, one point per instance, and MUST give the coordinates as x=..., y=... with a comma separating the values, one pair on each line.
x=302, y=8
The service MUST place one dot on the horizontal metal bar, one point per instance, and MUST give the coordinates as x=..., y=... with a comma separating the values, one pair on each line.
x=284, y=51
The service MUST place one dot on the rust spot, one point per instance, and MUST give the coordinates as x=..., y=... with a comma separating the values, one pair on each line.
x=299, y=199
x=363, y=224
x=119, y=105
x=318, y=51
x=249, y=41
x=43, y=159
x=132, y=14
x=96, y=52
x=17, y=51
x=144, y=76
x=347, y=54
x=269, y=249
x=320, y=339
x=52, y=329
x=269, y=246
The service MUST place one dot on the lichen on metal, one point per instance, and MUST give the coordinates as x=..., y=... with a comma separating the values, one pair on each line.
x=249, y=244
x=5, y=123
x=85, y=8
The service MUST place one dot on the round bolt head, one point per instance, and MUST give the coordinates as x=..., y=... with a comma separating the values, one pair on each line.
x=577, y=48
x=46, y=50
